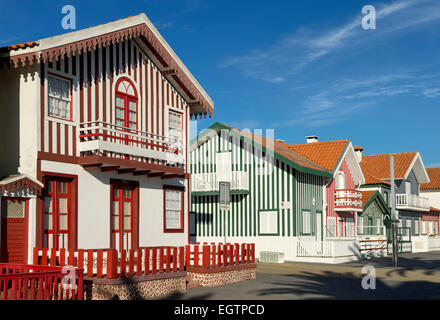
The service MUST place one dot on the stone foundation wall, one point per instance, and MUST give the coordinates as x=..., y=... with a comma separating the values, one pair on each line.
x=217, y=277
x=134, y=288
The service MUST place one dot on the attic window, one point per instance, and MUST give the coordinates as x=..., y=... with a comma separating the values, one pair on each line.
x=59, y=98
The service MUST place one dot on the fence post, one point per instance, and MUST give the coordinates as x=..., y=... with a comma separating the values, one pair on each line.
x=81, y=258
x=188, y=255
x=219, y=255
x=231, y=254
x=206, y=256
x=253, y=252
x=225, y=254
x=147, y=261
x=34, y=257
x=112, y=264
x=62, y=257
x=44, y=257
x=168, y=260
x=154, y=261
x=71, y=259
x=131, y=262
x=237, y=253
x=99, y=263
x=196, y=255
x=90, y=263
x=53, y=257
x=213, y=254
x=181, y=258
x=161, y=259
x=123, y=263
x=139, y=262
x=174, y=259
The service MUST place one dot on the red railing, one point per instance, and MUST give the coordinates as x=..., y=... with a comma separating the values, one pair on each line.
x=112, y=264
x=33, y=282
x=348, y=199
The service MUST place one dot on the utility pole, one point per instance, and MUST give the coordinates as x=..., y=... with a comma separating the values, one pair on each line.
x=393, y=213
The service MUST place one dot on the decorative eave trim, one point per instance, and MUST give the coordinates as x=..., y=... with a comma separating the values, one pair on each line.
x=195, y=97
x=22, y=183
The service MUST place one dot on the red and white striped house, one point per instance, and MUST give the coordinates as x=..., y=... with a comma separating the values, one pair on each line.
x=94, y=140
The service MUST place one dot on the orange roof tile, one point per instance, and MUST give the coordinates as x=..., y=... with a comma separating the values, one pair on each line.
x=366, y=195
x=325, y=154
x=370, y=179
x=378, y=166
x=279, y=149
x=434, y=177
x=432, y=209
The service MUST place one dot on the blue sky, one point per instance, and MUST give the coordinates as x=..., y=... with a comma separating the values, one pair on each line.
x=299, y=67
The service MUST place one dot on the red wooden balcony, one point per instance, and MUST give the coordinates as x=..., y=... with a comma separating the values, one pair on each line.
x=348, y=200
x=110, y=147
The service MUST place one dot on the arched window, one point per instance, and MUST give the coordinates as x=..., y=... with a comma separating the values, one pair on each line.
x=340, y=180
x=126, y=101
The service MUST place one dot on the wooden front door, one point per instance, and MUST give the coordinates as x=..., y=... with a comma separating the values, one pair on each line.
x=57, y=212
x=122, y=216
x=14, y=230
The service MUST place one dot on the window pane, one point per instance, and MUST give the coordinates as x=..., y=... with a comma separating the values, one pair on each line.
x=115, y=222
x=127, y=208
x=132, y=116
x=119, y=123
x=127, y=223
x=47, y=222
x=119, y=102
x=115, y=207
x=132, y=105
x=48, y=204
x=62, y=222
x=120, y=113
x=62, y=205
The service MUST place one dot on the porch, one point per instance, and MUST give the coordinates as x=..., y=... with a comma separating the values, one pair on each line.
x=411, y=202
x=209, y=182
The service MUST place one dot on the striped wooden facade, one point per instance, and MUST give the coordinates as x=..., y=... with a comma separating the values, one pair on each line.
x=276, y=183
x=93, y=75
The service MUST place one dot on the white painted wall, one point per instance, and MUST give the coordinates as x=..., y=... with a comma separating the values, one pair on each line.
x=433, y=196
x=94, y=207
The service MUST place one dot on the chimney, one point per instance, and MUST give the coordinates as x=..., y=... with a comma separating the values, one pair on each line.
x=280, y=140
x=312, y=139
x=358, y=150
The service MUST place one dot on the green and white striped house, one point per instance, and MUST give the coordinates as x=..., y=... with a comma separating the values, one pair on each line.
x=276, y=194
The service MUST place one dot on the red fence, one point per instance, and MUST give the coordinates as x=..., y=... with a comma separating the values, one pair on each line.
x=31, y=282
x=112, y=264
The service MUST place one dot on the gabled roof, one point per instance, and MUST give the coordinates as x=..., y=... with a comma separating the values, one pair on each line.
x=378, y=166
x=372, y=180
x=369, y=196
x=434, y=177
x=329, y=155
x=265, y=144
x=325, y=154
x=139, y=28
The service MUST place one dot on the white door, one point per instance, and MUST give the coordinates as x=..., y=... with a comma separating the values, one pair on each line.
x=318, y=226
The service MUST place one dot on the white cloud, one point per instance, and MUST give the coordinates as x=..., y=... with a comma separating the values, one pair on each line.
x=294, y=52
x=431, y=93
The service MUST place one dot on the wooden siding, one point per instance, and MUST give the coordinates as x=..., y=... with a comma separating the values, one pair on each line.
x=278, y=184
x=93, y=75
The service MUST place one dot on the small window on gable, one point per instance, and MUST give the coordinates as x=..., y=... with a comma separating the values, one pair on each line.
x=59, y=98
x=175, y=125
x=340, y=180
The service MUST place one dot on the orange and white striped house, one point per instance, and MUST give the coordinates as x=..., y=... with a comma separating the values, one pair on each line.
x=94, y=140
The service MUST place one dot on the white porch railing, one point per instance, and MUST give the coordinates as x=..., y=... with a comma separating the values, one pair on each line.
x=98, y=137
x=208, y=182
x=371, y=230
x=324, y=249
x=412, y=202
x=348, y=200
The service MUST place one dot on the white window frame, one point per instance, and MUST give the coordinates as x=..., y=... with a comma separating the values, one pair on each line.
x=268, y=224
x=68, y=100
x=340, y=175
x=331, y=224
x=306, y=222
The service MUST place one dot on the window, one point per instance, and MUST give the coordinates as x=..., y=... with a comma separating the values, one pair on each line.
x=386, y=197
x=416, y=227
x=340, y=180
x=126, y=105
x=407, y=187
x=360, y=229
x=122, y=215
x=378, y=225
x=173, y=209
x=306, y=229
x=57, y=203
x=331, y=226
x=175, y=125
x=268, y=222
x=59, y=98
x=349, y=227
x=423, y=227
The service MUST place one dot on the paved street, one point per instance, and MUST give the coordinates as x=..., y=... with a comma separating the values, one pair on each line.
x=418, y=277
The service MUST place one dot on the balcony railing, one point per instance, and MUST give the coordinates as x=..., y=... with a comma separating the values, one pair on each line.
x=348, y=200
x=99, y=138
x=208, y=182
x=411, y=202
